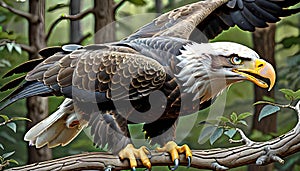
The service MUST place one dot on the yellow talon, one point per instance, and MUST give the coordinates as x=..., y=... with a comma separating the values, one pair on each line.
x=131, y=153
x=174, y=150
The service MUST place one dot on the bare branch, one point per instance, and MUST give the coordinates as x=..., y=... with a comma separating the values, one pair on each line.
x=31, y=18
x=29, y=49
x=118, y=5
x=68, y=17
x=83, y=38
x=244, y=138
x=259, y=153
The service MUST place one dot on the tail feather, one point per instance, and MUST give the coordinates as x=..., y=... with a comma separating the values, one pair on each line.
x=28, y=89
x=60, y=128
x=49, y=134
x=65, y=137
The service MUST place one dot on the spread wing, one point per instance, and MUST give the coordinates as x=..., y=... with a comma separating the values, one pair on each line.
x=211, y=17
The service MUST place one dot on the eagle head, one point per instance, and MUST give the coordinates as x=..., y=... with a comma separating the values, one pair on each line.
x=208, y=68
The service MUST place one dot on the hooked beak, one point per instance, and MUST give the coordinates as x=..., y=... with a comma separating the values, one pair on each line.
x=260, y=72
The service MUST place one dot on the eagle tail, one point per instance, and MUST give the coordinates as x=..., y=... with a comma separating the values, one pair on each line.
x=28, y=89
x=60, y=128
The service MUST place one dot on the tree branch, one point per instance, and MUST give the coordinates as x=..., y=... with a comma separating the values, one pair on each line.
x=118, y=5
x=259, y=153
x=68, y=17
x=83, y=38
x=27, y=48
x=31, y=18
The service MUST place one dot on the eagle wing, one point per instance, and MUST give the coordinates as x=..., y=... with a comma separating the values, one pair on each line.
x=111, y=73
x=211, y=17
x=96, y=73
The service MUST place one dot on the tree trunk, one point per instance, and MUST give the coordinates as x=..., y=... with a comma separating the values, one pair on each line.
x=264, y=45
x=75, y=28
x=104, y=18
x=37, y=106
x=158, y=7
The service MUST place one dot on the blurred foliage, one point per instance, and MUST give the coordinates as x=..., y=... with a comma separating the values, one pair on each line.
x=238, y=99
x=5, y=157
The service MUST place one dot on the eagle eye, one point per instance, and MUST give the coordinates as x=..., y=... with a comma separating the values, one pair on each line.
x=236, y=60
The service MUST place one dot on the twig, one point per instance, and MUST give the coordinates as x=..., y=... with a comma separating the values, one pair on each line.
x=244, y=138
x=118, y=5
x=68, y=17
x=27, y=48
x=275, y=104
x=31, y=18
x=83, y=38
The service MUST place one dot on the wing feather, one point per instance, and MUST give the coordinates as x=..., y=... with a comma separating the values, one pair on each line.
x=212, y=17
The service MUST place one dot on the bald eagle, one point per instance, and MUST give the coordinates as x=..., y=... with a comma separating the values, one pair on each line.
x=164, y=70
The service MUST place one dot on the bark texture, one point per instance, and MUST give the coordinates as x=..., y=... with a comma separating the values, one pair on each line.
x=104, y=18
x=75, y=27
x=37, y=106
x=264, y=45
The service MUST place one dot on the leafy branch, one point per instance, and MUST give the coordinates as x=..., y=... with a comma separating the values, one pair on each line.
x=5, y=159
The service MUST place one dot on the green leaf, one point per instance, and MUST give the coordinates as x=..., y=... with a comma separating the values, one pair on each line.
x=230, y=133
x=10, y=46
x=13, y=161
x=297, y=94
x=234, y=117
x=267, y=98
x=1, y=146
x=205, y=133
x=6, y=155
x=242, y=122
x=267, y=110
x=1, y=48
x=216, y=135
x=4, y=117
x=12, y=126
x=5, y=62
x=244, y=115
x=289, y=94
x=20, y=119
x=56, y=7
x=138, y=2
x=18, y=48
x=290, y=41
x=224, y=119
x=2, y=18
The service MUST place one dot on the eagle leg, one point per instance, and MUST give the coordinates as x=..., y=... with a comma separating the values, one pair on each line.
x=174, y=150
x=131, y=153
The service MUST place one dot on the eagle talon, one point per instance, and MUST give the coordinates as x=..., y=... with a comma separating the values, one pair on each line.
x=174, y=150
x=176, y=165
x=189, y=161
x=131, y=153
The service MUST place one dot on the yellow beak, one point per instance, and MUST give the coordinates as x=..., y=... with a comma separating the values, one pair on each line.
x=260, y=68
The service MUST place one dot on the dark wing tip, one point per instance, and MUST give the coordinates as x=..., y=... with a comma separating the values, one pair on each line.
x=22, y=68
x=247, y=15
x=12, y=84
x=28, y=89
